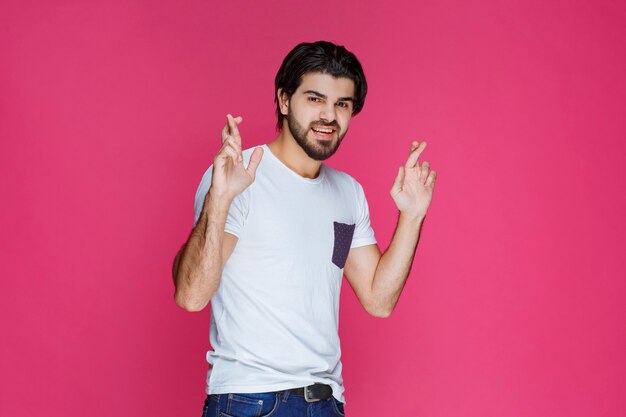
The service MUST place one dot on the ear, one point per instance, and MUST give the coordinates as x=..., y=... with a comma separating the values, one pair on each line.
x=283, y=101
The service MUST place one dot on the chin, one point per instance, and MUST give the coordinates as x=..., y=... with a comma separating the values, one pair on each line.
x=321, y=150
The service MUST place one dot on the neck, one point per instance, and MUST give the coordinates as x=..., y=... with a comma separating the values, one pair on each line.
x=285, y=148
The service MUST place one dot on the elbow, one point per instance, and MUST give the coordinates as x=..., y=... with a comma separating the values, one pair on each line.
x=381, y=314
x=380, y=311
x=189, y=298
x=189, y=303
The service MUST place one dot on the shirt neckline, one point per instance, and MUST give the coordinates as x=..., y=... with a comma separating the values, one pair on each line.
x=317, y=180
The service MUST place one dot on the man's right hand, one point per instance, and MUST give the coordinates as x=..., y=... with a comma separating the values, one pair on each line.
x=230, y=177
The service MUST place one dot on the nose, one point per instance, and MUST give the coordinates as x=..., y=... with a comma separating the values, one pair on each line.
x=327, y=113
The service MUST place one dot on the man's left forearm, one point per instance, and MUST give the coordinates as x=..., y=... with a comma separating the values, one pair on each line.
x=395, y=264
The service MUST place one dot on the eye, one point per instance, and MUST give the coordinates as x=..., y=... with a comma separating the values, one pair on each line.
x=314, y=99
x=342, y=104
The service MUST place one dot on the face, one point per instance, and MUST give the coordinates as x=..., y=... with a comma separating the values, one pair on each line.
x=318, y=113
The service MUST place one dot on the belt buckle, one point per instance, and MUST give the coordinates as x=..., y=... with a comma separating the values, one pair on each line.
x=308, y=395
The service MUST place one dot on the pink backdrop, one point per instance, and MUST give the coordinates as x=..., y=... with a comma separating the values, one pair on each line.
x=110, y=112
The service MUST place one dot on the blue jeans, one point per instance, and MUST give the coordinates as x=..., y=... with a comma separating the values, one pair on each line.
x=269, y=404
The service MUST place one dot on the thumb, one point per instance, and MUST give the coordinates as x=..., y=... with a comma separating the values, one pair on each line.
x=255, y=160
x=397, y=184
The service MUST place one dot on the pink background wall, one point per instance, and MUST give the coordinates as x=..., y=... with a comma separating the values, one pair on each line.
x=110, y=112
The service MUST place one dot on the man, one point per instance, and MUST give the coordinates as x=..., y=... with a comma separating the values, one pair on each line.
x=275, y=229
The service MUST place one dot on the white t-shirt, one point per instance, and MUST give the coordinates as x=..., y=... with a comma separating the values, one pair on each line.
x=275, y=315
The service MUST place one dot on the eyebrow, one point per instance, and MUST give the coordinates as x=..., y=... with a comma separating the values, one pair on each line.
x=320, y=95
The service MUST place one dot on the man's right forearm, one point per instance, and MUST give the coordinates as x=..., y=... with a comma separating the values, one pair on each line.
x=198, y=269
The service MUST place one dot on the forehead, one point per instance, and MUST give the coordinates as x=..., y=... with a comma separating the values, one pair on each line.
x=327, y=84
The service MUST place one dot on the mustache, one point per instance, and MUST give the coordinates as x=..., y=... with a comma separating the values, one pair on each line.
x=319, y=123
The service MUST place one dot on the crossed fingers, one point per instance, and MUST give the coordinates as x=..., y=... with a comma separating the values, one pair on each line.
x=231, y=139
x=412, y=163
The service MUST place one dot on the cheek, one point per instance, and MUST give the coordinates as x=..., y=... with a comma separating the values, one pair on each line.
x=345, y=122
x=299, y=112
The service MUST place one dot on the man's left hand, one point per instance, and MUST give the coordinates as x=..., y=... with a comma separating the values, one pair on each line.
x=412, y=191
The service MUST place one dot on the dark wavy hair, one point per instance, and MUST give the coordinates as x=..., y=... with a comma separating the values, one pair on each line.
x=324, y=57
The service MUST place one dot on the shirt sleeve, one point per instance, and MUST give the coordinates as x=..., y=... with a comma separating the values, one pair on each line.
x=363, y=232
x=238, y=208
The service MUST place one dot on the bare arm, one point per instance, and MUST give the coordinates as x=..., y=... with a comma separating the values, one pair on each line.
x=198, y=266
x=377, y=279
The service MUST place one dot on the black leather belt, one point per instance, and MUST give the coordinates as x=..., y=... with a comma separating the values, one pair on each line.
x=313, y=393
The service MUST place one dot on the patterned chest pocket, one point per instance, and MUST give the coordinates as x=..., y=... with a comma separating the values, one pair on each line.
x=343, y=240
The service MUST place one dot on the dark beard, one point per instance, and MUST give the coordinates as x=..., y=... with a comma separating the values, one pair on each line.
x=317, y=150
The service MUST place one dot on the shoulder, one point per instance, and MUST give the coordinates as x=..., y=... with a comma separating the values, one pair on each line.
x=343, y=180
x=345, y=184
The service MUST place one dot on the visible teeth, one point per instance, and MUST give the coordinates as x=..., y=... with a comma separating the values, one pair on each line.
x=323, y=130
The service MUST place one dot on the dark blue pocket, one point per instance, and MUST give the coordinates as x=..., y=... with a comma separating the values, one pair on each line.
x=343, y=240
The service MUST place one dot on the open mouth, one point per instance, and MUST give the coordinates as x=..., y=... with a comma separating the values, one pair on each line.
x=323, y=132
